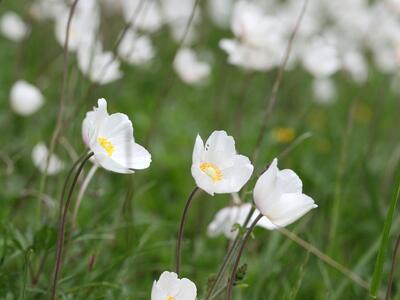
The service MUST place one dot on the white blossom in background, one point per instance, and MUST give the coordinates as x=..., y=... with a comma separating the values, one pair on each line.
x=145, y=16
x=320, y=56
x=189, y=68
x=136, y=49
x=47, y=9
x=324, y=90
x=170, y=287
x=25, y=98
x=259, y=38
x=84, y=24
x=40, y=158
x=220, y=12
x=227, y=217
x=216, y=166
x=100, y=66
x=278, y=196
x=110, y=138
x=13, y=27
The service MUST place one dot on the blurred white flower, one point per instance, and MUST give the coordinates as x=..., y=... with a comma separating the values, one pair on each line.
x=40, y=155
x=220, y=12
x=227, y=217
x=13, y=27
x=136, y=49
x=320, y=56
x=324, y=90
x=355, y=64
x=110, y=137
x=47, y=9
x=170, y=287
x=148, y=16
x=259, y=43
x=25, y=98
x=278, y=195
x=216, y=167
x=99, y=66
x=189, y=68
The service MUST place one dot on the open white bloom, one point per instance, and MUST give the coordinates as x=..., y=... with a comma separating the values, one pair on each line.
x=170, y=287
x=13, y=27
x=259, y=38
x=25, y=98
x=324, y=90
x=110, y=137
x=227, y=217
x=135, y=49
x=279, y=197
x=99, y=66
x=40, y=156
x=216, y=167
x=189, y=68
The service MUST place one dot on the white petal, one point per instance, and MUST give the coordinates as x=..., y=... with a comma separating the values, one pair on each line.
x=131, y=155
x=188, y=290
x=157, y=293
x=169, y=283
x=289, y=182
x=290, y=208
x=117, y=127
x=198, y=150
x=25, y=98
x=220, y=149
x=238, y=174
x=264, y=189
x=202, y=180
x=109, y=164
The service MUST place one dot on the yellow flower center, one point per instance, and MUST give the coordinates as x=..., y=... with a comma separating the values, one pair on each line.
x=170, y=298
x=283, y=134
x=107, y=145
x=212, y=171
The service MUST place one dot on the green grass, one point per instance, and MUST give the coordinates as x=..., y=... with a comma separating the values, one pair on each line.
x=123, y=243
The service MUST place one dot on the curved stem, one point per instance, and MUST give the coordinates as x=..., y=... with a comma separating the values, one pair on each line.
x=181, y=228
x=393, y=268
x=61, y=228
x=236, y=265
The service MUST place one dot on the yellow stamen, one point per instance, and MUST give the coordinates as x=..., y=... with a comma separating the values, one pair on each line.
x=212, y=171
x=170, y=298
x=107, y=145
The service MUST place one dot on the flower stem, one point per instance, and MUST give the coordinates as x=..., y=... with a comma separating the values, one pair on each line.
x=236, y=265
x=61, y=227
x=181, y=228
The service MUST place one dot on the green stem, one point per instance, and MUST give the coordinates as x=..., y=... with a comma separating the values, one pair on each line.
x=61, y=228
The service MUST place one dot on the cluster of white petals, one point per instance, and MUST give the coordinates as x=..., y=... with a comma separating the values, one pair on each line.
x=170, y=287
x=189, y=68
x=41, y=159
x=110, y=138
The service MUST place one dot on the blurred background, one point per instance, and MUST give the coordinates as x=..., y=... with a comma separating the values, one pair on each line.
x=178, y=69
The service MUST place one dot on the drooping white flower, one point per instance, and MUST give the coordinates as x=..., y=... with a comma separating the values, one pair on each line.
x=136, y=49
x=170, y=287
x=100, y=66
x=324, y=90
x=40, y=156
x=320, y=56
x=216, y=167
x=110, y=138
x=189, y=68
x=279, y=197
x=227, y=217
x=259, y=38
x=13, y=27
x=25, y=98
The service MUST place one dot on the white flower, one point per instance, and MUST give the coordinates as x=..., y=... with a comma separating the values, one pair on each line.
x=149, y=16
x=278, y=195
x=259, y=39
x=220, y=11
x=47, y=9
x=13, y=27
x=135, y=49
x=40, y=155
x=216, y=167
x=320, y=56
x=110, y=137
x=170, y=287
x=99, y=66
x=25, y=98
x=227, y=217
x=324, y=90
x=189, y=68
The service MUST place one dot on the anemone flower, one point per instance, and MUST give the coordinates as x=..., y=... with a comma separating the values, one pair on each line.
x=110, y=138
x=217, y=168
x=170, y=287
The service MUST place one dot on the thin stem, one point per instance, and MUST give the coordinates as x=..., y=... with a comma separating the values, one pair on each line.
x=393, y=268
x=57, y=129
x=61, y=228
x=181, y=229
x=236, y=264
